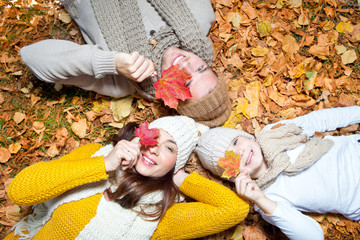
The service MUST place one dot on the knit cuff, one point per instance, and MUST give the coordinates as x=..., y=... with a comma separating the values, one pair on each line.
x=103, y=63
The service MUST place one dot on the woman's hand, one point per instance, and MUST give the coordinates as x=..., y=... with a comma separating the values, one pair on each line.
x=133, y=66
x=125, y=154
x=247, y=188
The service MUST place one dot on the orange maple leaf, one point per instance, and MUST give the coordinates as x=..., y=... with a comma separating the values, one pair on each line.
x=231, y=164
x=171, y=86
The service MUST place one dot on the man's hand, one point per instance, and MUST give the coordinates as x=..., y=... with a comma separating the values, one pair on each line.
x=133, y=66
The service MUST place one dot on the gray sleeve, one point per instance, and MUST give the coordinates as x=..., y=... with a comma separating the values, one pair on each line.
x=84, y=66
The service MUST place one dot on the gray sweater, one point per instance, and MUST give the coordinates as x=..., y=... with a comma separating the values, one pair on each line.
x=91, y=66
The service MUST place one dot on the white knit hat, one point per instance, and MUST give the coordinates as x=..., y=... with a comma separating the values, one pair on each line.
x=186, y=133
x=213, y=144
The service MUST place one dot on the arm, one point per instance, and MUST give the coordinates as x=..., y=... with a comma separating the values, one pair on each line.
x=46, y=180
x=324, y=120
x=217, y=209
x=293, y=223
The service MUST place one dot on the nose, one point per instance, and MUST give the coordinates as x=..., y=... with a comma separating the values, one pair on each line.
x=154, y=149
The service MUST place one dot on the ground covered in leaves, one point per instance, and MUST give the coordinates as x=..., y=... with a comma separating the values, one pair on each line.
x=281, y=59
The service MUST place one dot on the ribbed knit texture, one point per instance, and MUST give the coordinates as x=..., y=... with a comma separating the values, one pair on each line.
x=186, y=133
x=212, y=109
x=274, y=144
x=121, y=24
x=65, y=174
x=217, y=203
x=224, y=207
x=213, y=144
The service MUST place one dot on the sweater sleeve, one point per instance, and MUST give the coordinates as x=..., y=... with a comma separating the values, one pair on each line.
x=218, y=208
x=293, y=223
x=324, y=120
x=46, y=180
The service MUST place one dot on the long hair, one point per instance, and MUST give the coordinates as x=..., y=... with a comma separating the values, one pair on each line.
x=133, y=186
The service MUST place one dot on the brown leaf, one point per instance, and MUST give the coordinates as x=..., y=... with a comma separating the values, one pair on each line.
x=14, y=148
x=19, y=117
x=4, y=155
x=52, y=151
x=254, y=233
x=79, y=128
x=38, y=127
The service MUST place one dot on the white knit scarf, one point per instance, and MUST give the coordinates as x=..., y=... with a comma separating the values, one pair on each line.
x=110, y=222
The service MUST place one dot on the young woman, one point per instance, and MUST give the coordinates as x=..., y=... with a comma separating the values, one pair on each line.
x=295, y=171
x=123, y=191
x=123, y=41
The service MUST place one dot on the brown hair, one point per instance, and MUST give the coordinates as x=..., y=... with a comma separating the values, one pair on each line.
x=133, y=186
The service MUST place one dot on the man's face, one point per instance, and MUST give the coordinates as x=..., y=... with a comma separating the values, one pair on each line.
x=203, y=79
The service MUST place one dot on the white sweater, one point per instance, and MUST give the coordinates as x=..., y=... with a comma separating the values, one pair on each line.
x=332, y=184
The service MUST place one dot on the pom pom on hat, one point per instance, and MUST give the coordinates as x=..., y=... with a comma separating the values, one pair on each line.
x=186, y=133
x=213, y=144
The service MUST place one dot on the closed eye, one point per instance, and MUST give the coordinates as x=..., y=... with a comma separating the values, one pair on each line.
x=202, y=68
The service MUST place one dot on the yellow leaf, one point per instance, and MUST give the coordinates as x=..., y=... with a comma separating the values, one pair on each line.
x=14, y=148
x=242, y=106
x=79, y=128
x=348, y=57
x=75, y=100
x=328, y=26
x=252, y=94
x=233, y=120
x=19, y=117
x=340, y=49
x=263, y=28
x=116, y=125
x=268, y=80
x=98, y=107
x=344, y=27
x=121, y=108
x=279, y=4
x=64, y=17
x=140, y=104
x=259, y=51
x=234, y=18
x=357, y=37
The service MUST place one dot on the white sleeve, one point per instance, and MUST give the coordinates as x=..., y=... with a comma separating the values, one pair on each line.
x=324, y=120
x=293, y=223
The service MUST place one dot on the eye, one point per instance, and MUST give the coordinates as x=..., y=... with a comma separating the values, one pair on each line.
x=170, y=149
x=201, y=68
x=235, y=142
x=188, y=83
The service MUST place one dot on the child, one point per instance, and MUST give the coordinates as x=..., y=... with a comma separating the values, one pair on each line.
x=113, y=192
x=321, y=175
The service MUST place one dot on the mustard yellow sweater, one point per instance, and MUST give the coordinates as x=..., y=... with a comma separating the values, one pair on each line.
x=217, y=209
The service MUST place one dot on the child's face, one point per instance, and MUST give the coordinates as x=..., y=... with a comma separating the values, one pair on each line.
x=252, y=159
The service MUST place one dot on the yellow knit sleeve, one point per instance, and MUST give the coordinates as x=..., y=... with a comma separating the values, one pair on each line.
x=46, y=180
x=218, y=208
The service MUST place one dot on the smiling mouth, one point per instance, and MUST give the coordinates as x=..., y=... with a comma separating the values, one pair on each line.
x=177, y=59
x=147, y=161
x=248, y=160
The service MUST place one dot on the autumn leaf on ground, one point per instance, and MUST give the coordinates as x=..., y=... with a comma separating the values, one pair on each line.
x=171, y=86
x=147, y=136
x=231, y=164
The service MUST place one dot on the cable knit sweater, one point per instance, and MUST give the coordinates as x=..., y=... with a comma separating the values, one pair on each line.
x=218, y=207
x=91, y=66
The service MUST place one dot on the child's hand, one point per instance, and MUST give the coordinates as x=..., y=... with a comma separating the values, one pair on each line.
x=125, y=154
x=247, y=188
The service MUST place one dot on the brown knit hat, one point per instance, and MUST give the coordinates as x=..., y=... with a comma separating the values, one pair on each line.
x=212, y=109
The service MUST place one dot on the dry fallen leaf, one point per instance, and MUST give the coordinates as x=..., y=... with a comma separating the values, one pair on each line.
x=38, y=127
x=19, y=117
x=4, y=155
x=79, y=128
x=348, y=57
x=14, y=148
x=53, y=151
x=64, y=16
x=121, y=108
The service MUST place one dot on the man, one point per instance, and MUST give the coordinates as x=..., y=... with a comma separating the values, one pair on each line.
x=124, y=38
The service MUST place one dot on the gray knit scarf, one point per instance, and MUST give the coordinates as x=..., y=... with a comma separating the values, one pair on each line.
x=274, y=144
x=121, y=24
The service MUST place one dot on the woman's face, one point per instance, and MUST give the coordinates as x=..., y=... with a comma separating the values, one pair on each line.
x=203, y=79
x=252, y=159
x=158, y=160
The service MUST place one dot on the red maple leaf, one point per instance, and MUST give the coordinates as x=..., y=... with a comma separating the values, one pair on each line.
x=147, y=136
x=231, y=164
x=171, y=86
